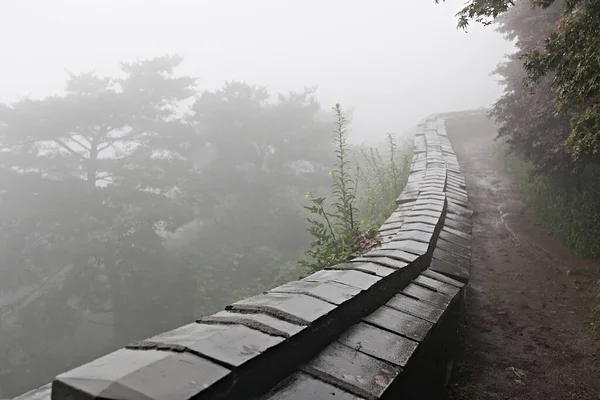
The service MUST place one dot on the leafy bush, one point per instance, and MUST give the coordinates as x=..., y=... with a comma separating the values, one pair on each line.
x=336, y=229
x=567, y=204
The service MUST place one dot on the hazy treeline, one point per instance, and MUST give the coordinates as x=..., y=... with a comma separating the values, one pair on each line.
x=548, y=131
x=133, y=204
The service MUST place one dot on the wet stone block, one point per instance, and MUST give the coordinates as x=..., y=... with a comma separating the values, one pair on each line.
x=428, y=213
x=452, y=258
x=452, y=188
x=295, y=308
x=427, y=295
x=417, y=308
x=379, y=343
x=464, y=235
x=301, y=386
x=384, y=261
x=418, y=236
x=332, y=292
x=417, y=227
x=453, y=248
x=406, y=197
x=390, y=226
x=457, y=198
x=229, y=344
x=459, y=226
x=453, y=271
x=437, y=285
x=352, y=278
x=262, y=322
x=425, y=202
x=422, y=220
x=454, y=208
x=394, y=254
x=150, y=374
x=442, y=278
x=353, y=371
x=438, y=207
x=455, y=179
x=364, y=265
x=400, y=323
x=410, y=246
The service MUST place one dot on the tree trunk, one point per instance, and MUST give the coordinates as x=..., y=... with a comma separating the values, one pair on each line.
x=91, y=165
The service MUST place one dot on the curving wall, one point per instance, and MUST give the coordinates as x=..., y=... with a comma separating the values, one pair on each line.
x=383, y=325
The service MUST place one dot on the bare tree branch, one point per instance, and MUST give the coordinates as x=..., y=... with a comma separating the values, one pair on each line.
x=70, y=150
x=79, y=143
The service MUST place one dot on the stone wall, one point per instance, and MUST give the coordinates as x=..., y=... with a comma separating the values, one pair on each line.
x=383, y=325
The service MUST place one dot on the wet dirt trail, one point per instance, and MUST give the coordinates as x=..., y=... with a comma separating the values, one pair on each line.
x=528, y=332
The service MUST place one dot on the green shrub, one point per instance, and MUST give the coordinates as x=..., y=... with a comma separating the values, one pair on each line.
x=568, y=205
x=336, y=228
x=382, y=180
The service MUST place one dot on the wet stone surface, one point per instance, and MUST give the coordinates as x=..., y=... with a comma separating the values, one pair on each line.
x=442, y=278
x=437, y=285
x=301, y=386
x=264, y=323
x=460, y=226
x=364, y=265
x=464, y=235
x=454, y=239
x=410, y=246
x=295, y=308
x=353, y=278
x=417, y=227
x=429, y=206
x=454, y=271
x=384, y=261
x=352, y=370
x=229, y=344
x=428, y=213
x=422, y=219
x=413, y=235
x=395, y=254
x=138, y=374
x=332, y=292
x=400, y=323
x=379, y=343
x=417, y=308
x=452, y=258
x=453, y=248
x=427, y=295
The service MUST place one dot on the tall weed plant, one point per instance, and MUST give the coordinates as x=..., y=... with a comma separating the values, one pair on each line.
x=364, y=184
x=381, y=178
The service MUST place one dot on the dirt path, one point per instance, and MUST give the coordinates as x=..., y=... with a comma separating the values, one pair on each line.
x=528, y=331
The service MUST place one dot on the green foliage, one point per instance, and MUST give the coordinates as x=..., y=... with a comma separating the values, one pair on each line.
x=565, y=61
x=568, y=208
x=336, y=229
x=123, y=214
x=334, y=232
x=382, y=181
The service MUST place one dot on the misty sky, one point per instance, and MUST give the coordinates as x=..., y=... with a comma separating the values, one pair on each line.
x=394, y=61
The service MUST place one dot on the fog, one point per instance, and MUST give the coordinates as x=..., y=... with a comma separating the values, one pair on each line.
x=125, y=213
x=393, y=62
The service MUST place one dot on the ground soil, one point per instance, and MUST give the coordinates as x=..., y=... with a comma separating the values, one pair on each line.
x=528, y=332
